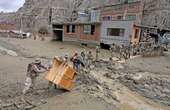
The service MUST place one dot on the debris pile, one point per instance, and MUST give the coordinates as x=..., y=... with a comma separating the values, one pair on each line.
x=100, y=81
x=28, y=102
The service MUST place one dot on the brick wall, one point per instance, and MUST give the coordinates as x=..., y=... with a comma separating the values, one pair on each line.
x=80, y=36
x=120, y=11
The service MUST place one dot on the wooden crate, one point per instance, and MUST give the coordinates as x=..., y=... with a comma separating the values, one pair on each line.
x=61, y=74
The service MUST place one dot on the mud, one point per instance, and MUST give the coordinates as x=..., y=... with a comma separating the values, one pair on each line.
x=104, y=86
x=155, y=87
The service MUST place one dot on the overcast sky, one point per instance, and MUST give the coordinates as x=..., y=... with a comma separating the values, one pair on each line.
x=10, y=5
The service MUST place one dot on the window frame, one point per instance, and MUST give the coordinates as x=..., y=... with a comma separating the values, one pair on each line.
x=120, y=32
x=89, y=29
x=71, y=28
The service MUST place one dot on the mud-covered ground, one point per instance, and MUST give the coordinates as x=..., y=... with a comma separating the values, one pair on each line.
x=104, y=87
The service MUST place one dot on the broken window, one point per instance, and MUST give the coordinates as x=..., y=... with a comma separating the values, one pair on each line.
x=115, y=32
x=71, y=28
x=89, y=29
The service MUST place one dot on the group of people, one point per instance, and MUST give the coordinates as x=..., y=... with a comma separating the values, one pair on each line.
x=81, y=60
x=34, y=69
x=84, y=59
x=121, y=51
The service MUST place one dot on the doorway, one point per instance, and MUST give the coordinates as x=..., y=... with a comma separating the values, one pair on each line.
x=58, y=32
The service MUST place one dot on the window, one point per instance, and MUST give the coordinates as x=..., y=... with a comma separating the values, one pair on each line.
x=115, y=32
x=107, y=18
x=71, y=28
x=131, y=17
x=125, y=1
x=132, y=6
x=130, y=1
x=119, y=17
x=136, y=33
x=68, y=28
x=89, y=29
x=118, y=8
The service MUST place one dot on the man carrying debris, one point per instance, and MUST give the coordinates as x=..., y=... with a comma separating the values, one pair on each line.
x=121, y=52
x=83, y=55
x=77, y=62
x=112, y=50
x=97, y=53
x=90, y=58
x=33, y=71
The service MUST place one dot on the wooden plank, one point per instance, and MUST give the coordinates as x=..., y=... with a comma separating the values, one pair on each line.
x=61, y=74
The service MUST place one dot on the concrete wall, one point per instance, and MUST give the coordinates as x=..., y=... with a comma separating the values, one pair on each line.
x=127, y=25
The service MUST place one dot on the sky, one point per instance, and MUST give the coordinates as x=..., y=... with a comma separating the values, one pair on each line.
x=10, y=5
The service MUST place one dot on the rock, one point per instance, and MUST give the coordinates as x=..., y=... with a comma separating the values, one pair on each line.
x=9, y=52
x=12, y=53
x=119, y=66
x=7, y=105
x=29, y=107
x=92, y=67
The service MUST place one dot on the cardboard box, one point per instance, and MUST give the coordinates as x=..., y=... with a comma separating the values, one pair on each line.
x=61, y=74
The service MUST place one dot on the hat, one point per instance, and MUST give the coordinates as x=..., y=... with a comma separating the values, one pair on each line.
x=37, y=60
x=66, y=56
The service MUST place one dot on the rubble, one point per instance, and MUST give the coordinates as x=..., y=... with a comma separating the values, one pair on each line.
x=103, y=80
x=100, y=81
x=19, y=102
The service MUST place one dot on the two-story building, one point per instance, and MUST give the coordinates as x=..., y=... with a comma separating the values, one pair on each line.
x=108, y=24
x=118, y=22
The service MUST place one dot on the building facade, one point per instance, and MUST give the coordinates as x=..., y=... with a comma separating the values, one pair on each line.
x=123, y=10
x=104, y=25
x=119, y=32
x=88, y=33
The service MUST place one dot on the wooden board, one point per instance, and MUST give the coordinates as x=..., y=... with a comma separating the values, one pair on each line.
x=61, y=74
